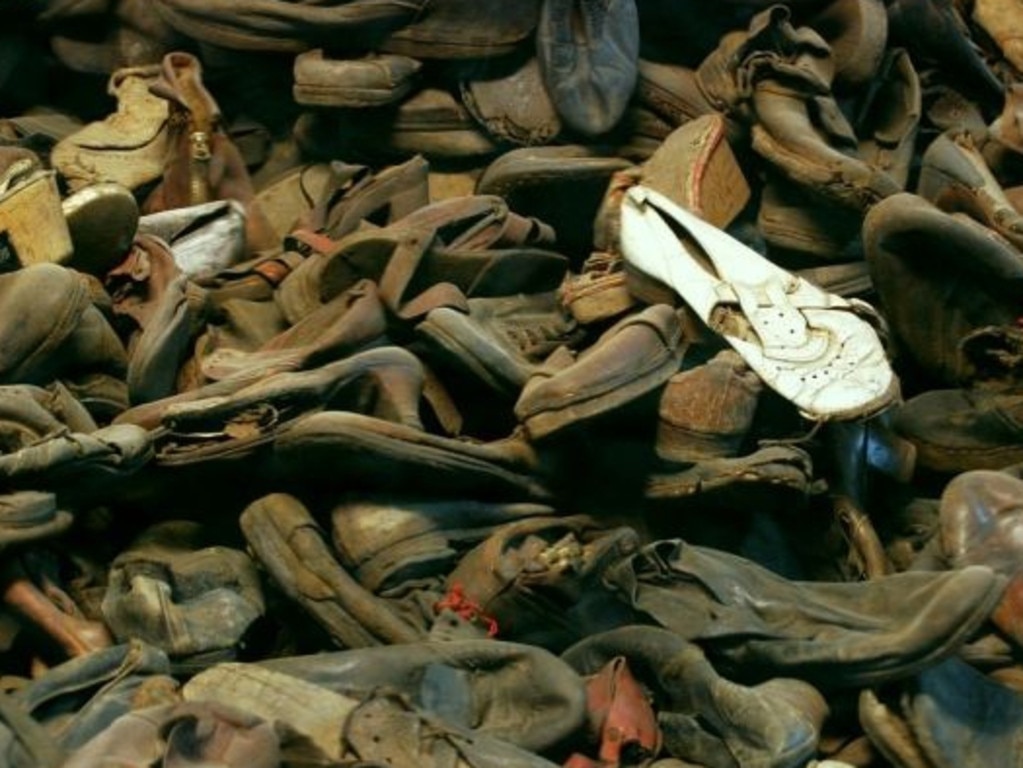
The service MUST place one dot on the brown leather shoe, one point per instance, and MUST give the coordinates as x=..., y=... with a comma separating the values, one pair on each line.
x=932, y=303
x=955, y=177
x=956, y=430
x=706, y=412
x=634, y=357
x=374, y=80
x=203, y=162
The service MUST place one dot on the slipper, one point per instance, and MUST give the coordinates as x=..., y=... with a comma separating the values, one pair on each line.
x=810, y=346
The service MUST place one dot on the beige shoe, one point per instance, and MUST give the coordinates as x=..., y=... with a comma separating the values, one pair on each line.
x=129, y=146
x=32, y=225
x=1003, y=20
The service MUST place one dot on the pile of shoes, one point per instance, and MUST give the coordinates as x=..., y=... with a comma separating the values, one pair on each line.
x=464, y=383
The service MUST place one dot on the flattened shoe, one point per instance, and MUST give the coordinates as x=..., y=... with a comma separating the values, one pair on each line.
x=589, y=55
x=374, y=454
x=529, y=120
x=30, y=516
x=634, y=357
x=499, y=341
x=389, y=542
x=812, y=347
x=371, y=81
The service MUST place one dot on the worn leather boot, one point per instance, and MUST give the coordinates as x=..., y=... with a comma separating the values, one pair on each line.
x=202, y=161
x=872, y=634
x=129, y=146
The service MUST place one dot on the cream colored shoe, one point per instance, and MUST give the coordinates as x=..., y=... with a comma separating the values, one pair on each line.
x=810, y=346
x=128, y=146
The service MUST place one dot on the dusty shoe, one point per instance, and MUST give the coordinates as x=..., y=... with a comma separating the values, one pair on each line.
x=33, y=229
x=561, y=186
x=203, y=238
x=871, y=637
x=416, y=739
x=514, y=692
x=696, y=169
x=634, y=357
x=780, y=475
x=808, y=140
x=927, y=317
x=703, y=716
x=672, y=91
x=500, y=341
x=202, y=162
x=527, y=121
x=857, y=32
x=311, y=710
x=45, y=304
x=351, y=321
x=706, y=412
x=621, y=718
x=599, y=291
x=78, y=464
x=955, y=430
x=589, y=55
x=792, y=217
x=295, y=552
x=935, y=34
x=890, y=118
x=955, y=177
x=203, y=731
x=375, y=80
x=372, y=452
x=540, y=579
x=419, y=539
x=102, y=220
x=949, y=714
x=386, y=381
x=129, y=146
x=181, y=594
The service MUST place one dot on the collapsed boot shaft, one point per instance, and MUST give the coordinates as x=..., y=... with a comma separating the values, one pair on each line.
x=202, y=163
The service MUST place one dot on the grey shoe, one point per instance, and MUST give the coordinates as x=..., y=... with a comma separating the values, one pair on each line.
x=500, y=341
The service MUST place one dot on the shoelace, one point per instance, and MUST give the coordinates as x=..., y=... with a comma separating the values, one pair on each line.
x=469, y=610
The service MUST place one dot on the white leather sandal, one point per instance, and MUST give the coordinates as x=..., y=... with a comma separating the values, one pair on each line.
x=810, y=346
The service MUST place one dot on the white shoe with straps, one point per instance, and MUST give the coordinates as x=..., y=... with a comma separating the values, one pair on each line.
x=812, y=347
